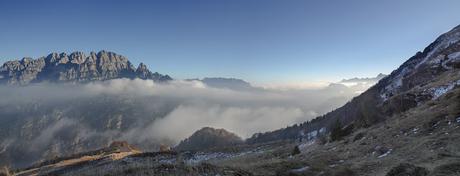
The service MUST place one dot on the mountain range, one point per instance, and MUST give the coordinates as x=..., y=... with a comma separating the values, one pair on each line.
x=364, y=80
x=93, y=111
x=74, y=67
x=406, y=124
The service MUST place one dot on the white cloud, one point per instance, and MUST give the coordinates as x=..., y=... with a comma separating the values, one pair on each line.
x=192, y=105
x=245, y=121
x=295, y=85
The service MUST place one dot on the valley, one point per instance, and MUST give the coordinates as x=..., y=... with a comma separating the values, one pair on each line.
x=229, y=88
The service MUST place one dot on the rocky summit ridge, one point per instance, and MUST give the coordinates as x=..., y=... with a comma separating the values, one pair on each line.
x=76, y=67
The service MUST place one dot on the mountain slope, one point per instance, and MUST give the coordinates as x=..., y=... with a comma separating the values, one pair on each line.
x=76, y=67
x=425, y=76
x=426, y=137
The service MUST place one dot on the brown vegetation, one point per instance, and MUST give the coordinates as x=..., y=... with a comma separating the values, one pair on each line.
x=4, y=171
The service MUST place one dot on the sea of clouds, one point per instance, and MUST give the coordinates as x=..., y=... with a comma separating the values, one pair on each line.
x=196, y=105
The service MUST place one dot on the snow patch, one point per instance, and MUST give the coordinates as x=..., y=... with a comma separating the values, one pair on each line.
x=385, y=154
x=305, y=145
x=168, y=161
x=312, y=134
x=202, y=156
x=322, y=130
x=437, y=92
x=302, y=169
x=415, y=130
x=455, y=55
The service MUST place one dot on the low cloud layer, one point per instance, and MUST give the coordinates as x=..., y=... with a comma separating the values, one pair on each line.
x=186, y=106
x=47, y=120
x=243, y=112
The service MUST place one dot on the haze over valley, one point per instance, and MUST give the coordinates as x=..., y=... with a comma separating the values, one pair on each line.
x=144, y=112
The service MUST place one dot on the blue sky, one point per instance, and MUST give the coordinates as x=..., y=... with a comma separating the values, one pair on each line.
x=263, y=41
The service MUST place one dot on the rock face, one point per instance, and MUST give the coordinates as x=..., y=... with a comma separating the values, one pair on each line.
x=76, y=67
x=207, y=138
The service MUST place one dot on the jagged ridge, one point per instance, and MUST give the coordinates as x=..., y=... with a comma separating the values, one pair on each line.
x=76, y=67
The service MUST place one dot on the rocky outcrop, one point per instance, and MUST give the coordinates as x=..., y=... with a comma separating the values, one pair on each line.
x=207, y=138
x=76, y=67
x=123, y=146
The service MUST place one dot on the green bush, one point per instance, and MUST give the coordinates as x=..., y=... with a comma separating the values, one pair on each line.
x=447, y=169
x=338, y=131
x=296, y=150
x=406, y=169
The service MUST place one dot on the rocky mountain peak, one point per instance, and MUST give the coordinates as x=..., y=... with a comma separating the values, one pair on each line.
x=207, y=138
x=381, y=75
x=77, y=57
x=76, y=67
x=142, y=67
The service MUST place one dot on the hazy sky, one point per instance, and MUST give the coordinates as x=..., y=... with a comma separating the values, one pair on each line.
x=257, y=40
